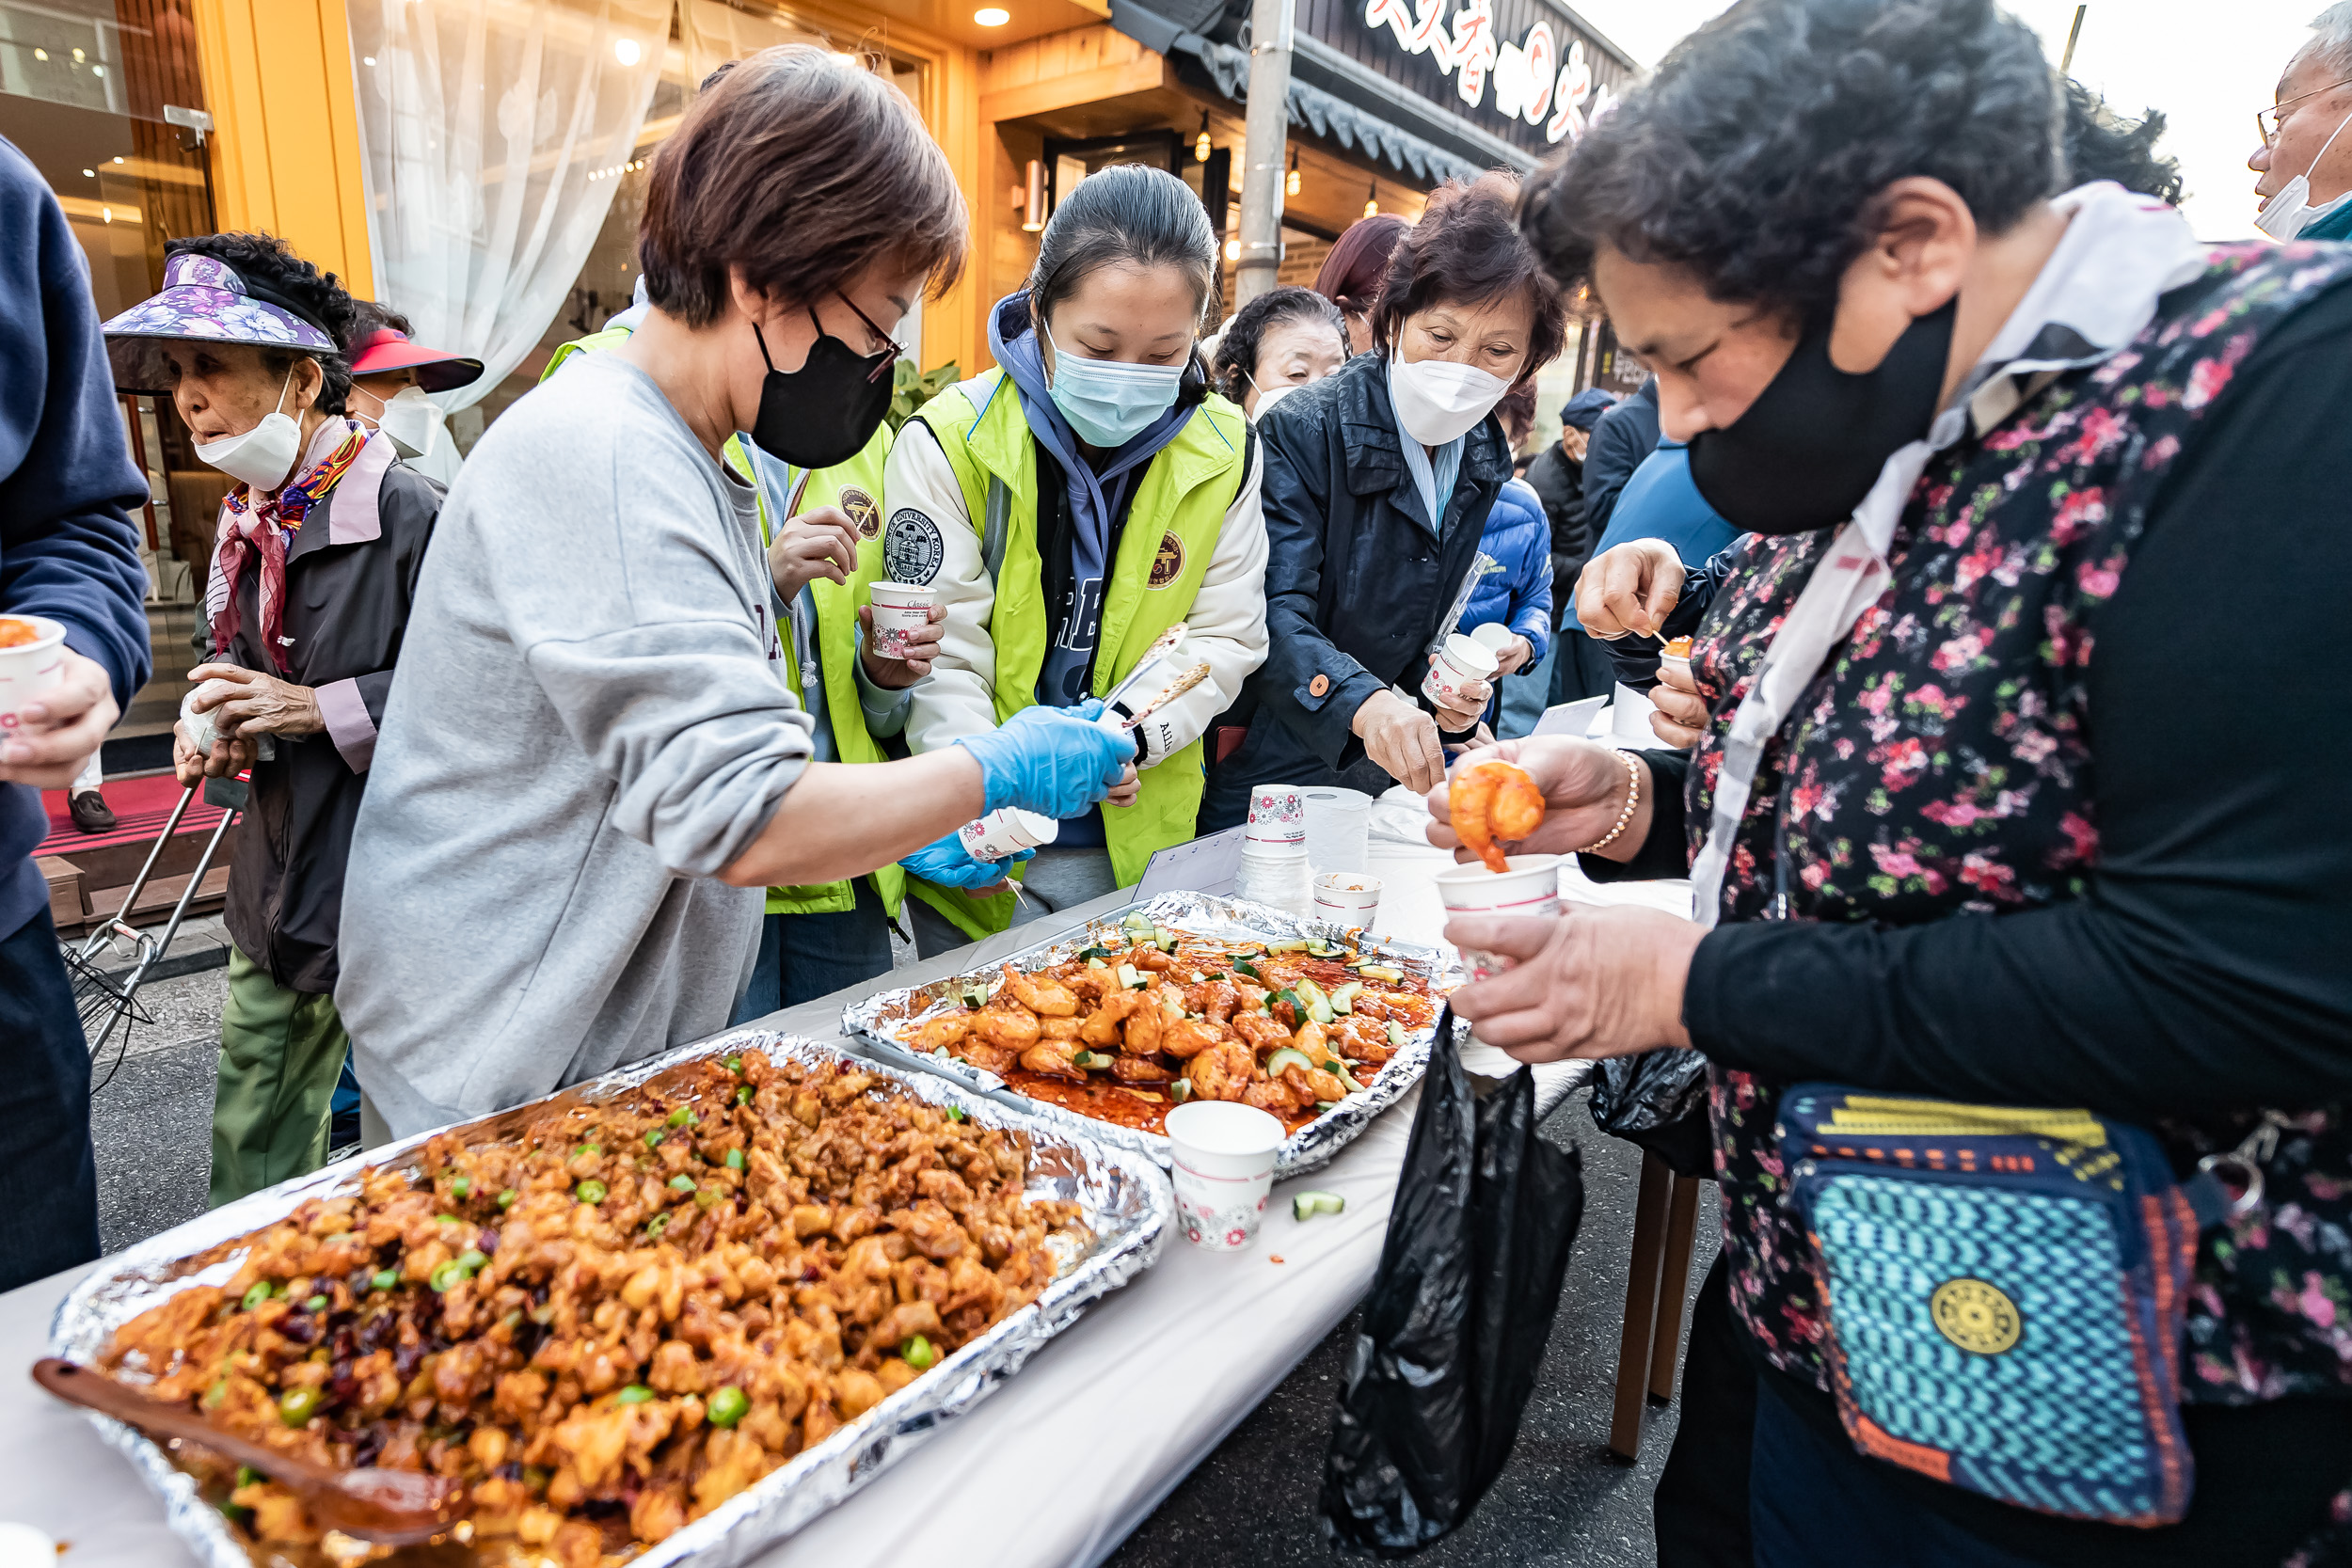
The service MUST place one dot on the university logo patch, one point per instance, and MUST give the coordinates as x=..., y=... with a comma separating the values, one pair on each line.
x=1169, y=564
x=861, y=511
x=912, y=548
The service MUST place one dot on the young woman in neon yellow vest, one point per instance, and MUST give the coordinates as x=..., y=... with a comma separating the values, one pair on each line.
x=1128, y=498
x=593, y=766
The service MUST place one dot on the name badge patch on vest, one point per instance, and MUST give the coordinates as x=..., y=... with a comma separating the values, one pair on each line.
x=861, y=511
x=1169, y=564
x=911, y=548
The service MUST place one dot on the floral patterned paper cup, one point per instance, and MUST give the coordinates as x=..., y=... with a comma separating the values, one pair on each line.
x=1224, y=1169
x=1530, y=888
x=1461, y=661
x=1277, y=818
x=899, y=607
x=1006, y=831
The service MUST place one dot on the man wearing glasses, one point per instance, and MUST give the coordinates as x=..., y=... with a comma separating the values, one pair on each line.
x=2305, y=158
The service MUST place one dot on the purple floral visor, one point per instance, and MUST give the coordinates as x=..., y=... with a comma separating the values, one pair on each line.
x=204, y=300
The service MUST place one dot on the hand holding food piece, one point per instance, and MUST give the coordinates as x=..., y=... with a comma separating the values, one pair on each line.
x=1402, y=739
x=1681, y=714
x=1628, y=589
x=1583, y=786
x=1054, y=761
x=1491, y=800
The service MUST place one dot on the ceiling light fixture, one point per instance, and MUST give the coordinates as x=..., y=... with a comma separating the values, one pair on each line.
x=1290, y=186
x=1372, y=200
x=627, y=51
x=1233, y=251
x=1200, y=142
x=991, y=16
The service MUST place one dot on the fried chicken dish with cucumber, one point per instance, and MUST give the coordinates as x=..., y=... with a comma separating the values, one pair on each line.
x=1146, y=1018
x=610, y=1324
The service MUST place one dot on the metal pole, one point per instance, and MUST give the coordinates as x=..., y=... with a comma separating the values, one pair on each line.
x=1267, y=133
x=2072, y=32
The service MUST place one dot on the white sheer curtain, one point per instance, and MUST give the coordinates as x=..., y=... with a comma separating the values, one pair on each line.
x=490, y=131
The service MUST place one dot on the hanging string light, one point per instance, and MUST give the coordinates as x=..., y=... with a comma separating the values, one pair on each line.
x=1372, y=200
x=1290, y=186
x=1200, y=142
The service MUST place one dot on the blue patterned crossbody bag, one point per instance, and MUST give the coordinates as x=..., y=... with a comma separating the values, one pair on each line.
x=2006, y=1291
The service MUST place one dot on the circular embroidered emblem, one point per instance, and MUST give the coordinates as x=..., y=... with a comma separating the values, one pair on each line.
x=861, y=511
x=1977, y=1317
x=912, y=548
x=1169, y=564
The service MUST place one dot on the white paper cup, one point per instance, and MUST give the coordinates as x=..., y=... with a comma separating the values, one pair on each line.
x=1462, y=660
x=32, y=668
x=1492, y=637
x=899, y=608
x=1277, y=818
x=1223, y=1168
x=1006, y=831
x=1339, y=828
x=1348, y=898
x=1531, y=888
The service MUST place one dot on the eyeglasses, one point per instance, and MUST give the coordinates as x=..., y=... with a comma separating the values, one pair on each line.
x=897, y=349
x=2268, y=120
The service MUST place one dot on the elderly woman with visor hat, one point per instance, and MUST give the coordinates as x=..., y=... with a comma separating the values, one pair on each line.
x=313, y=574
x=391, y=375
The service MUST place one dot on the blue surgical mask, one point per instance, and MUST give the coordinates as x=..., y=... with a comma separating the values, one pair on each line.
x=1106, y=401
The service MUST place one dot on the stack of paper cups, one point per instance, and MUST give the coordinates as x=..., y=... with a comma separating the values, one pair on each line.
x=1274, y=849
x=1339, y=827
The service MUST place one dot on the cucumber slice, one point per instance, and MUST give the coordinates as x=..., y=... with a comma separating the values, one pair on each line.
x=1343, y=999
x=1306, y=1206
x=1323, y=1105
x=1379, y=971
x=1396, y=1034
x=1243, y=966
x=1166, y=941
x=1090, y=1060
x=1296, y=944
x=1317, y=947
x=1285, y=1057
x=1130, y=978
x=1096, y=963
x=1180, y=1091
x=1320, y=1010
x=1098, y=951
x=976, y=995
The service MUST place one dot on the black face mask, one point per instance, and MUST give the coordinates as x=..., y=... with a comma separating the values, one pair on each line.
x=1811, y=445
x=826, y=411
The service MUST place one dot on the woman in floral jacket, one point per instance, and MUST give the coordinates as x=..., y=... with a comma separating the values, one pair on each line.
x=2043, y=800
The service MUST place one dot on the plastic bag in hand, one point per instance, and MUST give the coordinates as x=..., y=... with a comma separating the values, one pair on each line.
x=1657, y=1102
x=1456, y=1325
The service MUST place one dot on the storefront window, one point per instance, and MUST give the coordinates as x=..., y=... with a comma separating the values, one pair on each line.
x=82, y=91
x=705, y=34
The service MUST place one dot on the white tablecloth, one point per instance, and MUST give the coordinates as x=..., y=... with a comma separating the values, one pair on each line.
x=1058, y=1464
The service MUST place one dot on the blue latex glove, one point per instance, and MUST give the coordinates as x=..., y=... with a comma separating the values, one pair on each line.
x=1054, y=761
x=946, y=862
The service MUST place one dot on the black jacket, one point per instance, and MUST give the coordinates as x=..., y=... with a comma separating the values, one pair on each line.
x=351, y=577
x=1357, y=581
x=1558, y=480
x=1624, y=435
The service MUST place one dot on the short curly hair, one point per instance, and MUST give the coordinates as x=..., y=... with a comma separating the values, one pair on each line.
x=318, y=296
x=1753, y=157
x=1237, y=349
x=1465, y=252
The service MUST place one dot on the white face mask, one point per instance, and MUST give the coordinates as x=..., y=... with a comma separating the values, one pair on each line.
x=1437, y=400
x=412, y=420
x=1269, y=398
x=2289, y=213
x=263, y=456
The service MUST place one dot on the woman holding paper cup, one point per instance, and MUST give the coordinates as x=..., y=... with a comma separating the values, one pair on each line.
x=595, y=765
x=1378, y=481
x=1970, y=819
x=1075, y=506
x=311, y=595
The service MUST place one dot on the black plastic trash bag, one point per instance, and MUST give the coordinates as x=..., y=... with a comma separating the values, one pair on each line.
x=1658, y=1102
x=1458, y=1316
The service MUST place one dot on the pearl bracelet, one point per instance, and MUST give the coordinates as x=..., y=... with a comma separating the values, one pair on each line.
x=1632, y=798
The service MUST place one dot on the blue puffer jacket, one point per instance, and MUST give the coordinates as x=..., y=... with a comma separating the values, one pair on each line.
x=1520, y=536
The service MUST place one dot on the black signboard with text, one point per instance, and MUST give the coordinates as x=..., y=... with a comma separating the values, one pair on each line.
x=1519, y=69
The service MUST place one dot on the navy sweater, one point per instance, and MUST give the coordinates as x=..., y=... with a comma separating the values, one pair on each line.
x=67, y=483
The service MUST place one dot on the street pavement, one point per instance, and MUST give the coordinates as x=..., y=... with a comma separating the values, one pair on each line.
x=1564, y=1502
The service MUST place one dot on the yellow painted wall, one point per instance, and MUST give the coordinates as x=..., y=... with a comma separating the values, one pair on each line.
x=285, y=143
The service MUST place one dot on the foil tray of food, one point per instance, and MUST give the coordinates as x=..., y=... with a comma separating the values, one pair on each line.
x=1103, y=1032
x=668, y=1315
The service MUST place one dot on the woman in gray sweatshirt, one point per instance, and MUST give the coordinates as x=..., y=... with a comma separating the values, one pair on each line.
x=590, y=766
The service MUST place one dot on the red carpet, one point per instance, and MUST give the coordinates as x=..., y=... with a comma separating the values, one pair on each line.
x=141, y=807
